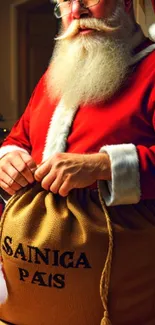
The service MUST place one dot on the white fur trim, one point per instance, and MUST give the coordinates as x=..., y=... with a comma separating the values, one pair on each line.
x=137, y=39
x=6, y=149
x=139, y=56
x=59, y=128
x=152, y=32
x=125, y=185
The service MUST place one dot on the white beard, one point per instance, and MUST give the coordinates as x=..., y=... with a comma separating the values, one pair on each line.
x=90, y=68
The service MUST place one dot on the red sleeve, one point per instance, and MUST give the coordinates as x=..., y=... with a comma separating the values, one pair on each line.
x=19, y=135
x=147, y=160
x=1, y=206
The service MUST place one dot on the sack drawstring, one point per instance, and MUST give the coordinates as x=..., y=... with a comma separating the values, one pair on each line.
x=105, y=276
x=3, y=285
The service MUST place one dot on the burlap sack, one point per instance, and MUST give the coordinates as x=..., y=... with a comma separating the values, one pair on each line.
x=53, y=253
x=57, y=258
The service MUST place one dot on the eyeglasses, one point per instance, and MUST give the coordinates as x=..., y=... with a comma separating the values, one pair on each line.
x=64, y=7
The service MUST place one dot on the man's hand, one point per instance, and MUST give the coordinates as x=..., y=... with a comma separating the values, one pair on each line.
x=66, y=171
x=16, y=171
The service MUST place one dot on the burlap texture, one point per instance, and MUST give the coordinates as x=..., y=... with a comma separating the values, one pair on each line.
x=40, y=223
x=54, y=250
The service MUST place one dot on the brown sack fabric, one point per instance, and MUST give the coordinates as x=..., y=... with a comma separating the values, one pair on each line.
x=53, y=254
x=54, y=251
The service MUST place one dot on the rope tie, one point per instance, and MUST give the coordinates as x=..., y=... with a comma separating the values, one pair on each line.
x=3, y=285
x=105, y=320
x=106, y=272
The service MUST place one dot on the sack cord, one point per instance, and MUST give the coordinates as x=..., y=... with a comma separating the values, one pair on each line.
x=105, y=276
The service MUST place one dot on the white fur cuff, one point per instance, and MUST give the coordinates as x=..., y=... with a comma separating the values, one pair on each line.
x=6, y=149
x=124, y=188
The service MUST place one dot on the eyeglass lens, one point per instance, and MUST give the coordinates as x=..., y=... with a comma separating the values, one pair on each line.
x=64, y=7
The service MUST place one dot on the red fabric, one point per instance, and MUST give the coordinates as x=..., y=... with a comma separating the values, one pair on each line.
x=153, y=3
x=1, y=207
x=128, y=4
x=128, y=118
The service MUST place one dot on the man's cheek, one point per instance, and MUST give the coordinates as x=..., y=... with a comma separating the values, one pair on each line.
x=66, y=21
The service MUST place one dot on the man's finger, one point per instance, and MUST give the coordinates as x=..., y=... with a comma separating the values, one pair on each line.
x=42, y=171
x=9, y=181
x=48, y=181
x=56, y=183
x=24, y=173
x=66, y=187
x=29, y=161
x=6, y=188
x=15, y=175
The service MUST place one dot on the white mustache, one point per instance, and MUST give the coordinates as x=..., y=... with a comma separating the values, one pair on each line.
x=90, y=23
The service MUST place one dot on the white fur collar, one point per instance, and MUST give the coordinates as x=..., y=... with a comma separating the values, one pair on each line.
x=137, y=39
x=58, y=130
x=142, y=54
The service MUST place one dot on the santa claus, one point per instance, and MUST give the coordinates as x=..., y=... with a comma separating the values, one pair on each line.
x=91, y=119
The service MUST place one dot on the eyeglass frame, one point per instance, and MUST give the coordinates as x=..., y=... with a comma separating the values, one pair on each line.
x=57, y=5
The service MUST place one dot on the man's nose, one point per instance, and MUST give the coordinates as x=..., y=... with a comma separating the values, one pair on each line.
x=78, y=9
